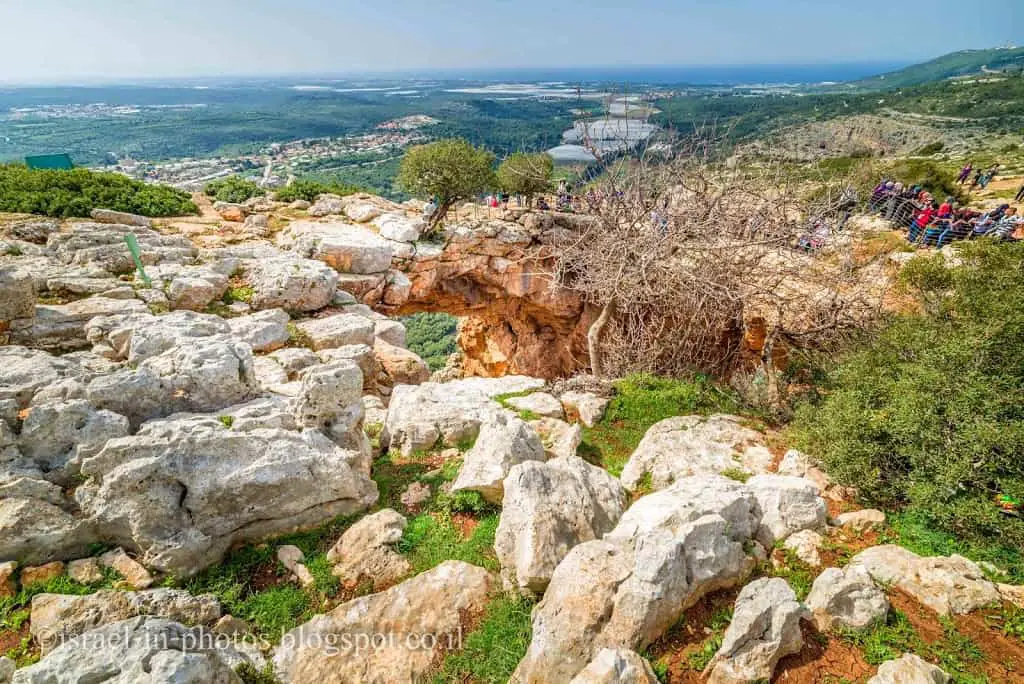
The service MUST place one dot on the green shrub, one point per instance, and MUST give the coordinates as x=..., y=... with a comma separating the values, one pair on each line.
x=75, y=193
x=929, y=416
x=234, y=189
x=432, y=336
x=309, y=190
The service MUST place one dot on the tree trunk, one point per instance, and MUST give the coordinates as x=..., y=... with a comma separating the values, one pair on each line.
x=440, y=213
x=594, y=338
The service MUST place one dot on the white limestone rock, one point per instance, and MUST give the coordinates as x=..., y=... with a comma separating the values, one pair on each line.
x=909, y=669
x=846, y=598
x=503, y=441
x=788, y=505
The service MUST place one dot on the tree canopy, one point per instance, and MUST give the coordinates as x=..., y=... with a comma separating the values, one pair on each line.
x=450, y=170
x=234, y=189
x=526, y=174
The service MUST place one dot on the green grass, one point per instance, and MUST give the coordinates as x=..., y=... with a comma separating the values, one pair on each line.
x=275, y=611
x=798, y=574
x=15, y=611
x=241, y=293
x=699, y=659
x=491, y=651
x=431, y=539
x=640, y=402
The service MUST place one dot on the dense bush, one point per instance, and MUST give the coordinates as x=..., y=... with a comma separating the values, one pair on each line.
x=929, y=417
x=234, y=189
x=432, y=336
x=63, y=194
x=309, y=190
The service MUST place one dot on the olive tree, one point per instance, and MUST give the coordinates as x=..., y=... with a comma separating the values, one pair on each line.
x=526, y=174
x=449, y=170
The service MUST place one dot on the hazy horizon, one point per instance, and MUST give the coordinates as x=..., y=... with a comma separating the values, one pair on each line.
x=56, y=42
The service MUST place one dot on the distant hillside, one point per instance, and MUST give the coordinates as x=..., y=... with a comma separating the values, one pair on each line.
x=963, y=63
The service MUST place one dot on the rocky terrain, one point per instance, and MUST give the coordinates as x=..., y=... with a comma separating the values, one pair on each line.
x=245, y=422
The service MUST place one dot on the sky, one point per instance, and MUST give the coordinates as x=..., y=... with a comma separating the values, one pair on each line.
x=81, y=40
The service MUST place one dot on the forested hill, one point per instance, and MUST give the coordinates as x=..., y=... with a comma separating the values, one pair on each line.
x=963, y=63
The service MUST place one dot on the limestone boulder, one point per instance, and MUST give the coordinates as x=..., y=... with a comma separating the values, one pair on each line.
x=504, y=441
x=390, y=331
x=806, y=546
x=695, y=445
x=847, y=598
x=616, y=666
x=330, y=398
x=858, y=521
x=344, y=247
x=196, y=288
x=788, y=505
x=120, y=217
x=366, y=551
x=141, y=650
x=58, y=618
x=765, y=628
x=362, y=212
x=102, y=245
x=399, y=227
x=292, y=283
x=338, y=330
x=402, y=366
x=181, y=491
x=668, y=550
x=909, y=669
x=140, y=336
x=17, y=297
x=540, y=404
x=326, y=205
x=34, y=531
x=558, y=437
x=433, y=603
x=7, y=668
x=62, y=327
x=263, y=331
x=946, y=584
x=548, y=508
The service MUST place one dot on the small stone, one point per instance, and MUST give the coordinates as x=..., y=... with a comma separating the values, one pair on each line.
x=304, y=576
x=290, y=556
x=229, y=625
x=584, y=407
x=909, y=669
x=131, y=570
x=85, y=571
x=41, y=573
x=415, y=495
x=7, y=586
x=867, y=519
x=539, y=404
x=7, y=667
x=806, y=545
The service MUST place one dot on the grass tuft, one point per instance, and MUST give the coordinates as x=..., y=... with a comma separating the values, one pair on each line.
x=491, y=652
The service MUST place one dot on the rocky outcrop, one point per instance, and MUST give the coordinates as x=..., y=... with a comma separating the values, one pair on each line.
x=389, y=637
x=292, y=283
x=623, y=591
x=172, y=491
x=694, y=445
x=142, y=650
x=765, y=628
x=549, y=508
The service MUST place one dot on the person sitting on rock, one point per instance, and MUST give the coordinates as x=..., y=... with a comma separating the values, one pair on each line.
x=1007, y=226
x=921, y=221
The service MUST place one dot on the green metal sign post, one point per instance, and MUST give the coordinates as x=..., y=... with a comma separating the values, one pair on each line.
x=133, y=247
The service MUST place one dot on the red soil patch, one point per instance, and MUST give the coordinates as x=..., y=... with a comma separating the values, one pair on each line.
x=823, y=659
x=843, y=544
x=687, y=636
x=1003, y=656
x=466, y=524
x=11, y=639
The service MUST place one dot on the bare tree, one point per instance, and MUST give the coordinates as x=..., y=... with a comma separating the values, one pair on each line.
x=690, y=256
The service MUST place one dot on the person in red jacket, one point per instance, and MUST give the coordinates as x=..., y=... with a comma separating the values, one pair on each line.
x=921, y=221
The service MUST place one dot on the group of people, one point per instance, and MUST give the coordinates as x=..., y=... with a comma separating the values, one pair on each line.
x=982, y=177
x=930, y=223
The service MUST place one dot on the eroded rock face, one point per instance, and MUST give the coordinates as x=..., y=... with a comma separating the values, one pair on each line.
x=765, y=628
x=292, y=283
x=142, y=650
x=694, y=445
x=667, y=551
x=58, y=618
x=788, y=505
x=172, y=492
x=55, y=437
x=503, y=442
x=549, y=508
x=947, y=585
x=432, y=603
x=34, y=531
